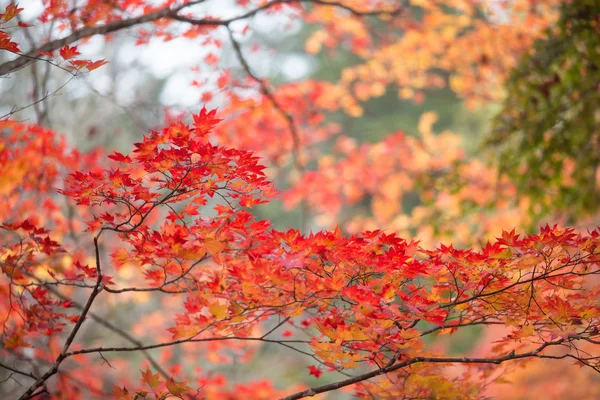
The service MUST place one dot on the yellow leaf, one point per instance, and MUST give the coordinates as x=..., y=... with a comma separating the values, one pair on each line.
x=153, y=380
x=177, y=388
x=357, y=334
x=443, y=332
x=527, y=330
x=296, y=312
x=350, y=360
x=219, y=310
x=214, y=246
x=506, y=253
x=183, y=331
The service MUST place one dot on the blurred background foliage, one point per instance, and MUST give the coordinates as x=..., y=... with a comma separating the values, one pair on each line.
x=546, y=136
x=382, y=116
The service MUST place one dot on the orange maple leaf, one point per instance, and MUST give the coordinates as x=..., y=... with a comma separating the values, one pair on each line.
x=11, y=11
x=152, y=380
x=177, y=388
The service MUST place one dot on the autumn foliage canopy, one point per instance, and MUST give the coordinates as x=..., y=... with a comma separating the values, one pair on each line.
x=148, y=273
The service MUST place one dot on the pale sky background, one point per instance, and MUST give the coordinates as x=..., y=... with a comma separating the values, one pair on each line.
x=175, y=59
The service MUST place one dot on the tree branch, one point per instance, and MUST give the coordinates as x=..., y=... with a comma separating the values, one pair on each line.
x=269, y=95
x=33, y=55
x=53, y=45
x=415, y=360
x=63, y=353
x=118, y=331
x=180, y=341
x=17, y=371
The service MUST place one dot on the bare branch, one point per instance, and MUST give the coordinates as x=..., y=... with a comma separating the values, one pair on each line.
x=53, y=45
x=118, y=331
x=269, y=95
x=17, y=371
x=33, y=55
x=63, y=354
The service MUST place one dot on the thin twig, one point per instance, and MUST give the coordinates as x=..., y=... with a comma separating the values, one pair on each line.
x=269, y=95
x=33, y=55
x=63, y=354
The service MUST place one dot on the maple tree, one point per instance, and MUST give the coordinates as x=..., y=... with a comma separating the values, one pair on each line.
x=142, y=274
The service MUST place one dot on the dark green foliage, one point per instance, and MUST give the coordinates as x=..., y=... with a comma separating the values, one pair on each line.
x=547, y=136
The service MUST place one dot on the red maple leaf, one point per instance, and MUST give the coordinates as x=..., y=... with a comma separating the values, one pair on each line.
x=314, y=371
x=69, y=52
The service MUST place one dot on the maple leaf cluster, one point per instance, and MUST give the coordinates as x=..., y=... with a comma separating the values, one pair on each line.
x=156, y=261
x=68, y=54
x=359, y=301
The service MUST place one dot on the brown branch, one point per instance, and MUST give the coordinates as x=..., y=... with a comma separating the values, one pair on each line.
x=358, y=13
x=279, y=324
x=118, y=331
x=17, y=371
x=33, y=55
x=53, y=45
x=41, y=392
x=269, y=95
x=266, y=6
x=181, y=341
x=63, y=353
x=46, y=96
x=549, y=275
x=66, y=374
x=415, y=360
x=162, y=287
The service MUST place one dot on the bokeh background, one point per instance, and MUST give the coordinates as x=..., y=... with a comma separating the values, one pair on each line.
x=438, y=127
